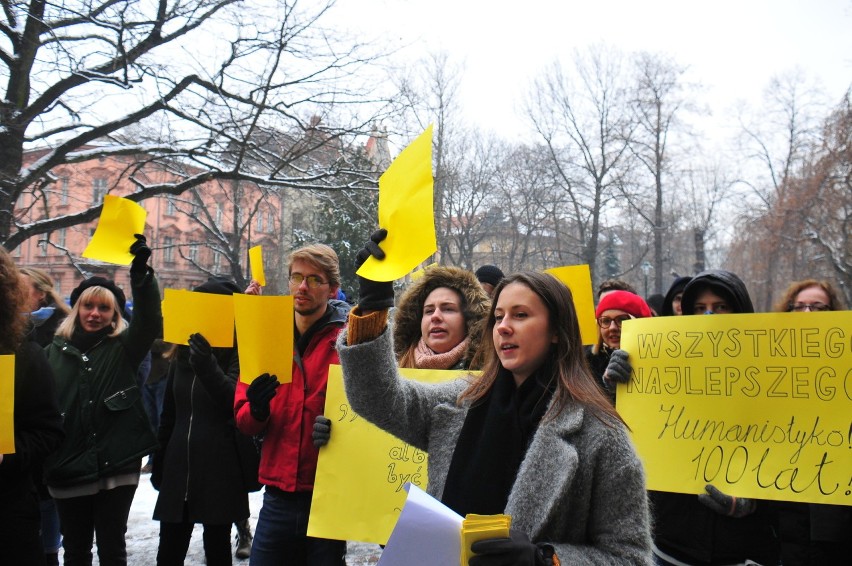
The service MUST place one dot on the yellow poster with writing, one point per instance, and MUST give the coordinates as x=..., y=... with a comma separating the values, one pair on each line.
x=759, y=405
x=187, y=312
x=358, y=492
x=7, y=404
x=578, y=278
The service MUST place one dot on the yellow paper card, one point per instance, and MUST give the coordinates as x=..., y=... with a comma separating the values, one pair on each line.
x=256, y=259
x=759, y=405
x=186, y=312
x=358, y=492
x=7, y=404
x=406, y=211
x=417, y=274
x=264, y=336
x=120, y=220
x=578, y=278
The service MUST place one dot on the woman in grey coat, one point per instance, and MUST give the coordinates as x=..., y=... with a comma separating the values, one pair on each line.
x=533, y=437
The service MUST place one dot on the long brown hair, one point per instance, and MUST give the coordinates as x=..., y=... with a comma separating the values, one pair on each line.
x=574, y=380
x=785, y=303
x=12, y=322
x=43, y=283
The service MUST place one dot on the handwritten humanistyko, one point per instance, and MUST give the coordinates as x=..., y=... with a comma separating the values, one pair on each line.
x=760, y=405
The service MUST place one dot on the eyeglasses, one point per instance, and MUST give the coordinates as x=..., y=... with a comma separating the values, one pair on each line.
x=606, y=321
x=314, y=281
x=802, y=307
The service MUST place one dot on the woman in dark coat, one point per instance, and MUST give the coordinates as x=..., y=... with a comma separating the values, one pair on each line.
x=197, y=468
x=37, y=426
x=95, y=356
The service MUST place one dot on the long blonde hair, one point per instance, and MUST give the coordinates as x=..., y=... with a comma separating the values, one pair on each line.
x=43, y=283
x=96, y=293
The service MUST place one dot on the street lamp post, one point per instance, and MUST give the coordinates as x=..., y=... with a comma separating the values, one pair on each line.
x=646, y=269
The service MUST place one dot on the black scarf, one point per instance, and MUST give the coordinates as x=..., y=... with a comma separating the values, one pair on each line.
x=85, y=341
x=493, y=442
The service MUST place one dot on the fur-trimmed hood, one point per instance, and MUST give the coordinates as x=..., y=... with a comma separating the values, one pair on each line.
x=409, y=311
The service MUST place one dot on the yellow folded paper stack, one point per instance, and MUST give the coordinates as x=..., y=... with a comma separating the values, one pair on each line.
x=480, y=527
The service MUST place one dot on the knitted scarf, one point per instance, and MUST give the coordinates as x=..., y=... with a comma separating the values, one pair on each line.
x=425, y=358
x=493, y=442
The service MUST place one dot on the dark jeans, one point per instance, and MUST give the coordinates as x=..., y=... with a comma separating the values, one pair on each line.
x=281, y=534
x=104, y=515
x=50, y=538
x=174, y=542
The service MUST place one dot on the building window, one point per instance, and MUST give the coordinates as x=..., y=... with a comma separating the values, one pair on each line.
x=168, y=250
x=170, y=207
x=63, y=190
x=220, y=212
x=42, y=246
x=270, y=222
x=217, y=261
x=60, y=238
x=259, y=221
x=193, y=253
x=99, y=189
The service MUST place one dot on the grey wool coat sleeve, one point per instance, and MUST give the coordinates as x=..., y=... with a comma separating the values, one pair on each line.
x=580, y=487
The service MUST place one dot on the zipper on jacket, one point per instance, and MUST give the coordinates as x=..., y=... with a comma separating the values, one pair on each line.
x=189, y=434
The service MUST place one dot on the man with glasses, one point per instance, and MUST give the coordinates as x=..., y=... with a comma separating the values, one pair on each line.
x=284, y=415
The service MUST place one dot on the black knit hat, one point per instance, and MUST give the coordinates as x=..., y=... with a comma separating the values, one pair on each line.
x=120, y=299
x=489, y=274
x=219, y=285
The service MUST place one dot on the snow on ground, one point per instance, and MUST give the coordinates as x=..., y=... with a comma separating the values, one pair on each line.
x=143, y=534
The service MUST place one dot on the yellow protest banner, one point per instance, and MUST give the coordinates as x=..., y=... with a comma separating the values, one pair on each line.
x=578, y=278
x=120, y=219
x=406, y=211
x=264, y=336
x=256, y=260
x=186, y=312
x=7, y=404
x=358, y=491
x=759, y=405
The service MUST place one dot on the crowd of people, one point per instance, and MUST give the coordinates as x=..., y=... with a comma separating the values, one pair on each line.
x=530, y=428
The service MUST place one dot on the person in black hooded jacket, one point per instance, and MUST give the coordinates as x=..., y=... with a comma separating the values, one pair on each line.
x=197, y=467
x=698, y=530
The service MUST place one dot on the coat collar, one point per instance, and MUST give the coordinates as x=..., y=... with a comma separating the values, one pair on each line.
x=546, y=473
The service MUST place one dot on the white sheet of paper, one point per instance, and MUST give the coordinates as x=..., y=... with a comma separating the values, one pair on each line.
x=428, y=533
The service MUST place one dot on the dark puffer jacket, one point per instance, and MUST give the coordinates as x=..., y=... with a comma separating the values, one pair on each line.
x=106, y=429
x=683, y=526
x=406, y=322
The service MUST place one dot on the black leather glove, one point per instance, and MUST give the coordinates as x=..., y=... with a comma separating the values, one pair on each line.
x=141, y=254
x=322, y=431
x=373, y=295
x=517, y=550
x=259, y=394
x=727, y=505
x=618, y=370
x=200, y=353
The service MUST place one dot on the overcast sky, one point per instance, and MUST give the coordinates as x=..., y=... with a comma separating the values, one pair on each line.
x=732, y=47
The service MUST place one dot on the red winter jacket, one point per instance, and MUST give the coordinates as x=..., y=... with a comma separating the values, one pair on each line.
x=288, y=459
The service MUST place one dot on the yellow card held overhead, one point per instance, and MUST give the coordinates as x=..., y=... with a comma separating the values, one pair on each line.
x=7, y=404
x=120, y=219
x=264, y=336
x=256, y=259
x=406, y=212
x=186, y=312
x=578, y=278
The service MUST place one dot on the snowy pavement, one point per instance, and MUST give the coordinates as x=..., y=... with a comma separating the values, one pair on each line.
x=143, y=534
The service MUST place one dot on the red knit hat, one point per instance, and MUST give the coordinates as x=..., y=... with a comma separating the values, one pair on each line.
x=626, y=301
